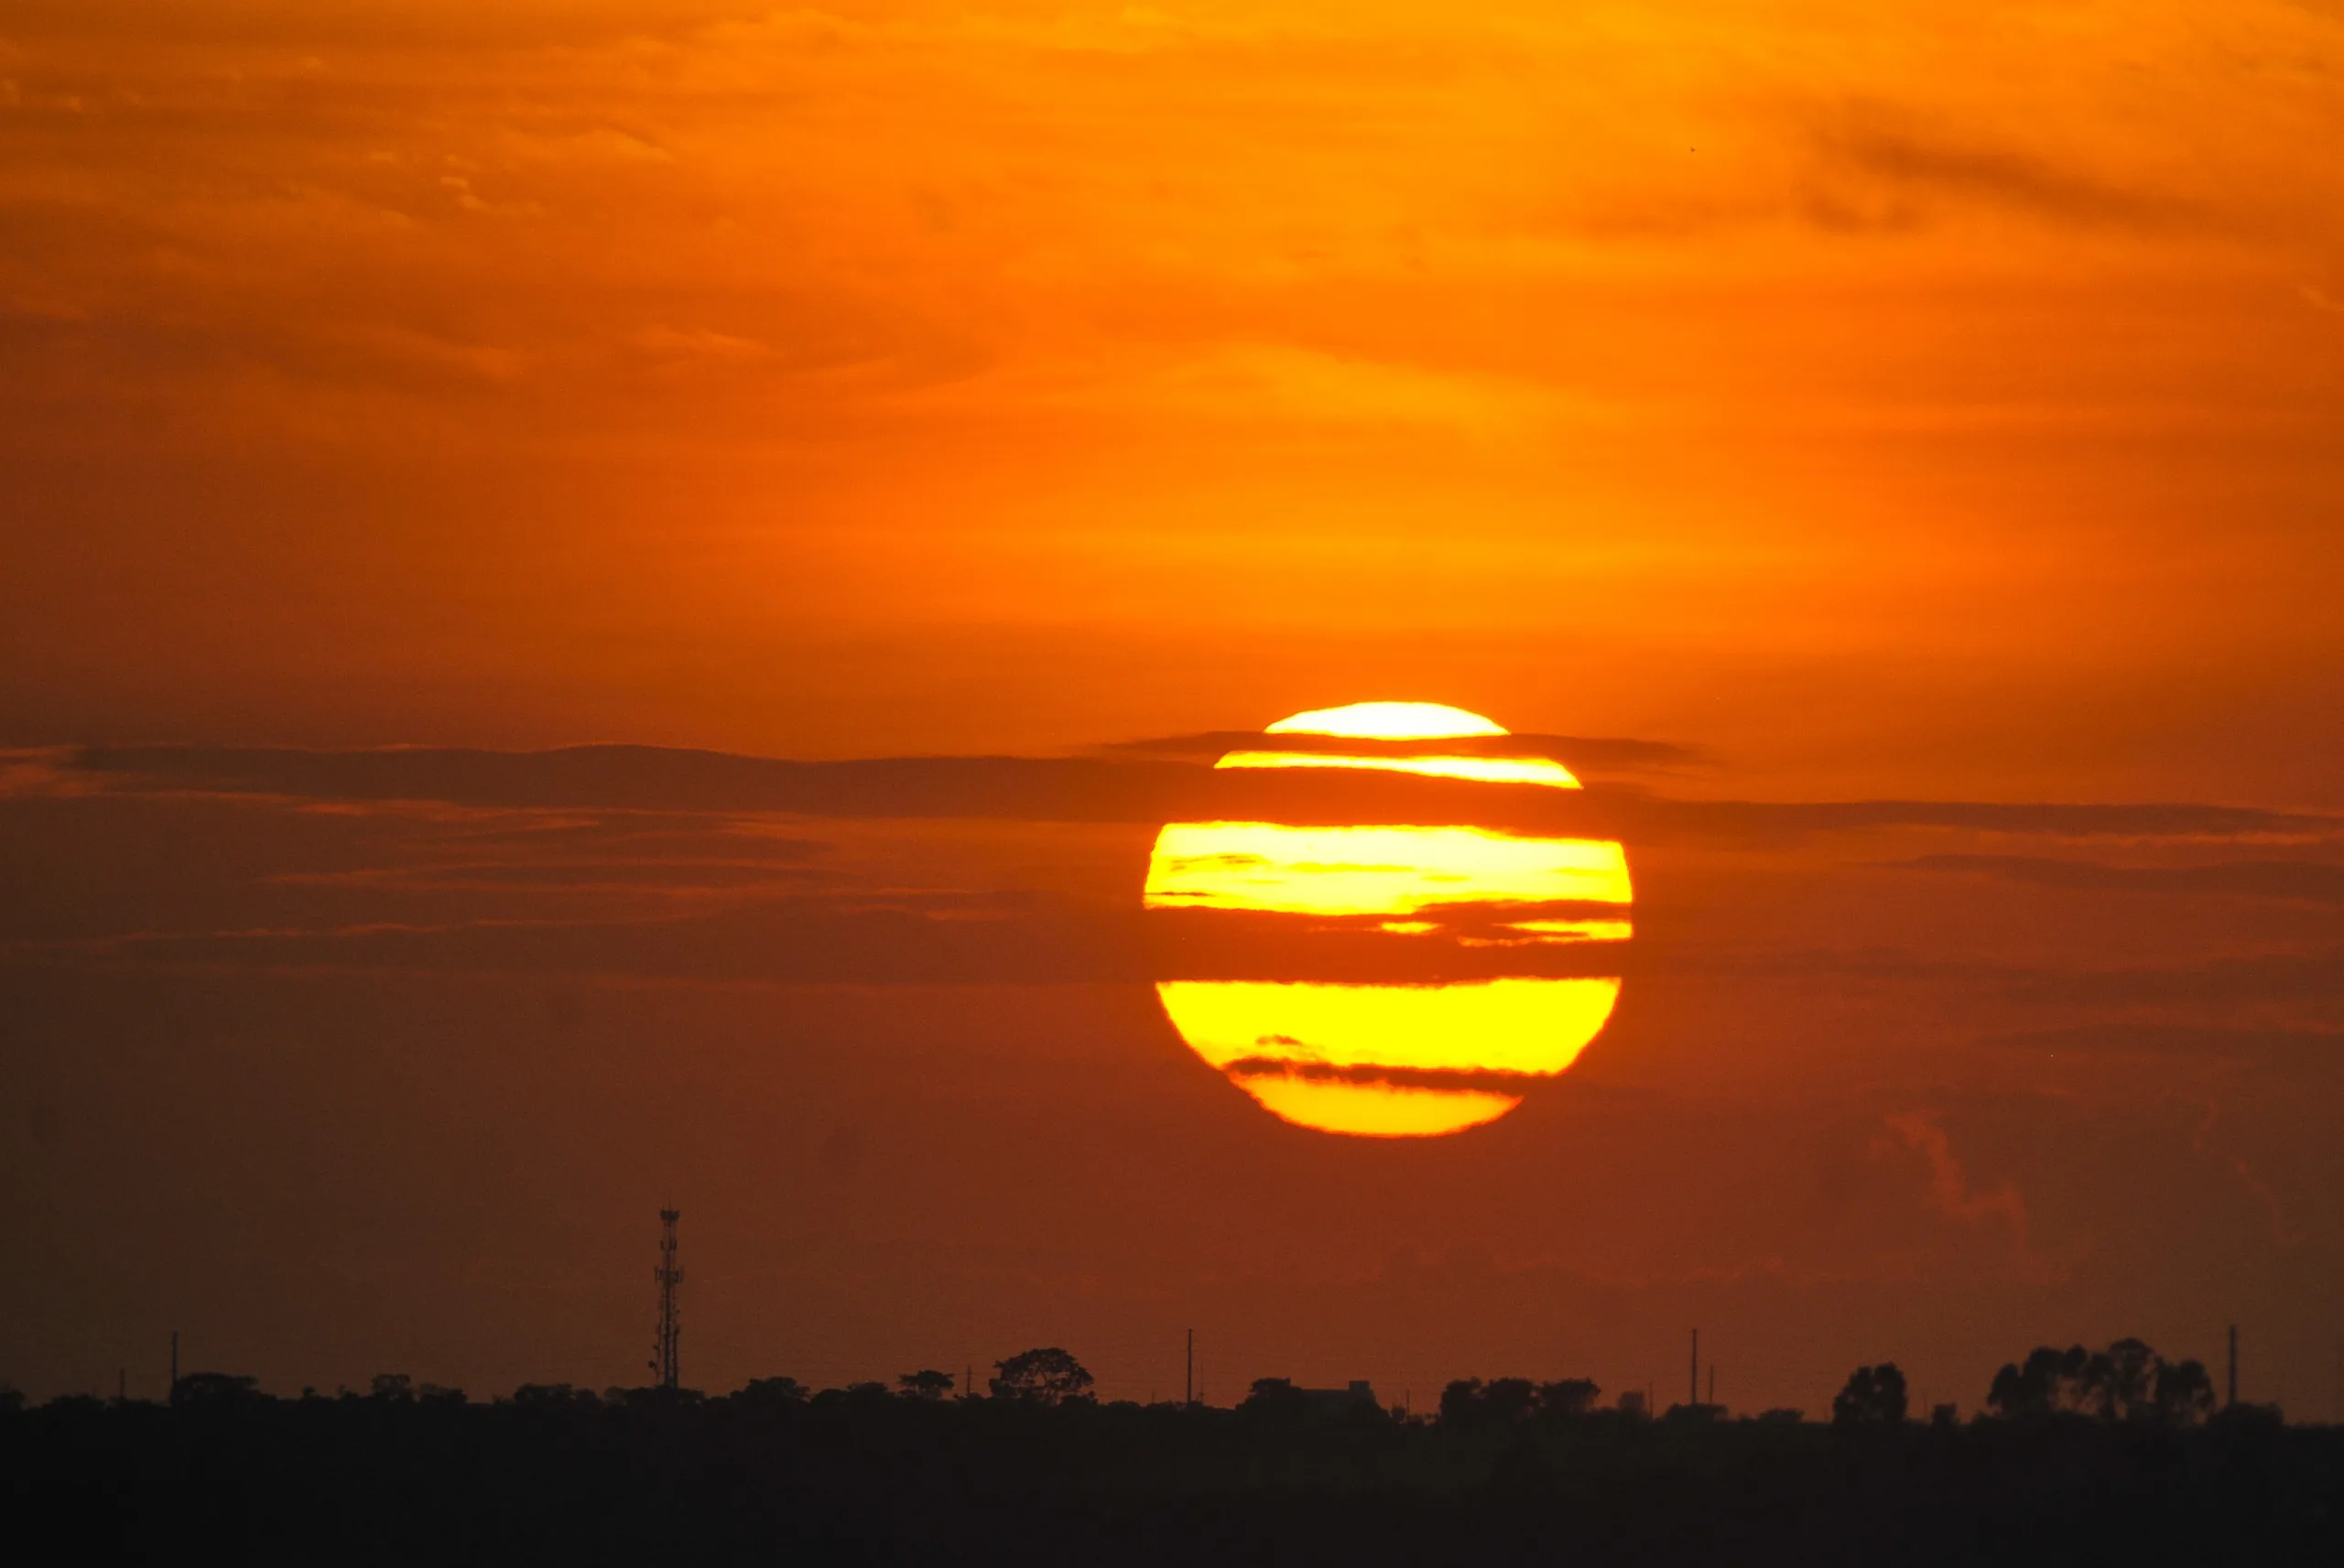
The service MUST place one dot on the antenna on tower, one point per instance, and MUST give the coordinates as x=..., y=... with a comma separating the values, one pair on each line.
x=662, y=1357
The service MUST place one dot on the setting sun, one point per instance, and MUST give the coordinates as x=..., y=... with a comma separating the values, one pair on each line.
x=1394, y=1060
x=1434, y=689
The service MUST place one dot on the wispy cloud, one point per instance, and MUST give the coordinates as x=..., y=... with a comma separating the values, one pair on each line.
x=1136, y=787
x=2311, y=882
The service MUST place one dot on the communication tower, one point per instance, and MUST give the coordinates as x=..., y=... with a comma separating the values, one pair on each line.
x=663, y=1360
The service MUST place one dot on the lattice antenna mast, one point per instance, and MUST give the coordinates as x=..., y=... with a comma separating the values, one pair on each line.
x=663, y=1360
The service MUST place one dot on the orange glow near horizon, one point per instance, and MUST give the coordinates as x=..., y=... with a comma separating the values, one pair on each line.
x=1392, y=1060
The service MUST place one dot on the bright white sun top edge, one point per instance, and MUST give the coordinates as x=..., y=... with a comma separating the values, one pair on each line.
x=1387, y=722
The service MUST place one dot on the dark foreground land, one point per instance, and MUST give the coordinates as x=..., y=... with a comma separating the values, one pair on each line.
x=553, y=1476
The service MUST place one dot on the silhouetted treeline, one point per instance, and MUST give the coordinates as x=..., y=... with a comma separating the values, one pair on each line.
x=2098, y=1469
x=2127, y=1381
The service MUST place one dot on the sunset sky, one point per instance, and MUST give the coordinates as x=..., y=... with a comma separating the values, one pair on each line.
x=1892, y=455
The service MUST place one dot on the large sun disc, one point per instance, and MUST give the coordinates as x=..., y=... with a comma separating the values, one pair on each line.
x=1420, y=1048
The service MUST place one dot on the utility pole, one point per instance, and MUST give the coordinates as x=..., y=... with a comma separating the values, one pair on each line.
x=1189, y=1384
x=663, y=1360
x=2233, y=1389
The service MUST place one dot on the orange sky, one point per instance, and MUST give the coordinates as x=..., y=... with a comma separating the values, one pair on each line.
x=1952, y=390
x=1940, y=402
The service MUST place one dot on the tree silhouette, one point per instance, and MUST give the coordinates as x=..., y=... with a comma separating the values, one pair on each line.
x=2127, y=1381
x=2049, y=1380
x=772, y=1392
x=1047, y=1376
x=551, y=1397
x=926, y=1384
x=1571, y=1396
x=2185, y=1393
x=1508, y=1400
x=559, y=1475
x=1503, y=1401
x=1875, y=1396
x=215, y=1388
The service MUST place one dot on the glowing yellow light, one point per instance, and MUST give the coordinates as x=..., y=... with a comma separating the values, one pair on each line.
x=1530, y=1026
x=1376, y=1110
x=1391, y=1060
x=1270, y=865
x=1485, y=770
x=1387, y=722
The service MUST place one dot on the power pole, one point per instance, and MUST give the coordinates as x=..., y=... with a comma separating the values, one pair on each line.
x=2233, y=1389
x=1189, y=1386
x=663, y=1360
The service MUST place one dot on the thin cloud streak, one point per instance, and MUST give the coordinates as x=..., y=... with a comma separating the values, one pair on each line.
x=1092, y=790
x=2310, y=881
